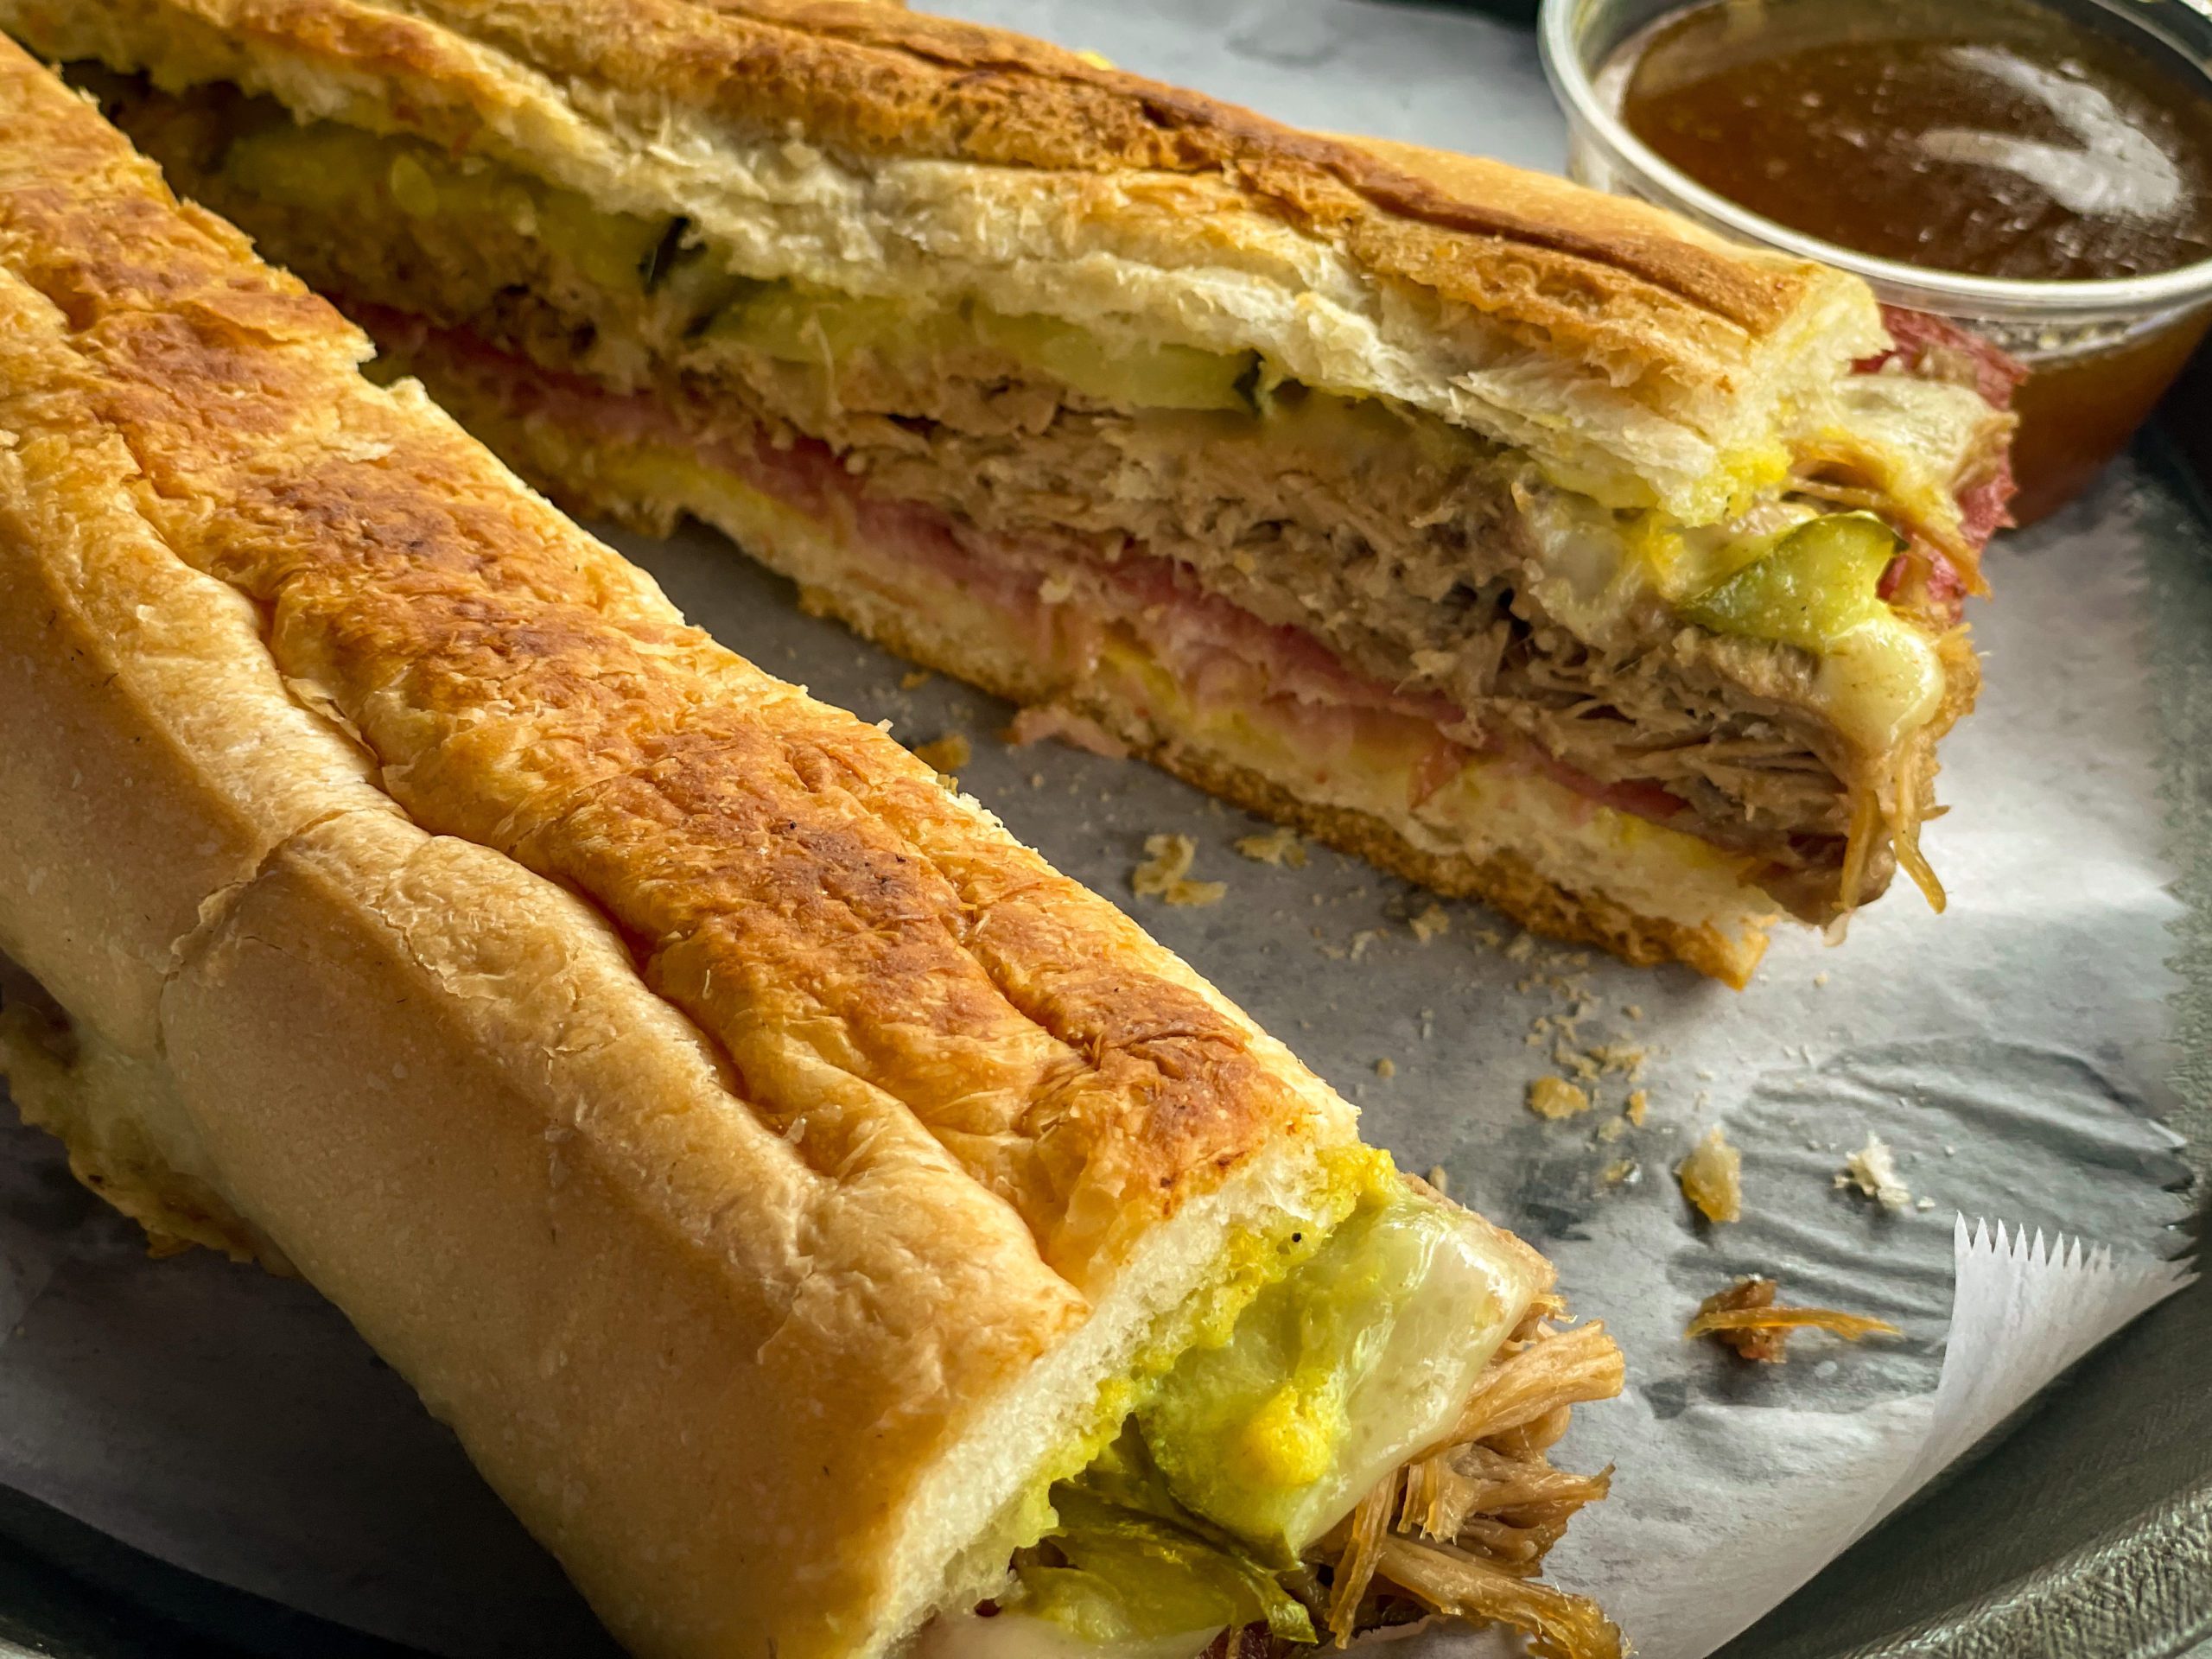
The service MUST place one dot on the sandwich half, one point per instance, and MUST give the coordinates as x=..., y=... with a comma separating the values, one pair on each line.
x=1531, y=542
x=833, y=1231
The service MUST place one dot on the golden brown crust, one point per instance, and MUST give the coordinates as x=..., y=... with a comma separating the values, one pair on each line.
x=710, y=1300
x=787, y=874
x=1558, y=267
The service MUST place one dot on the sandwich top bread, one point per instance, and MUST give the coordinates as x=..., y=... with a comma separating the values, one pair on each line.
x=1528, y=540
x=815, y=1214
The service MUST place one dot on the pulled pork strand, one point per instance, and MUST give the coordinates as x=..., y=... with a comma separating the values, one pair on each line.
x=1486, y=1505
x=1558, y=1625
x=1365, y=1531
x=1551, y=1371
x=1745, y=1317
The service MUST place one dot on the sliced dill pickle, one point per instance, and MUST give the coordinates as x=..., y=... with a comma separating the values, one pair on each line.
x=1135, y=374
x=1817, y=585
x=1879, y=677
x=1125, y=1574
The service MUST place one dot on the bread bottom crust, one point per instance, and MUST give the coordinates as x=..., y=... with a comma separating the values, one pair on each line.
x=588, y=476
x=1505, y=880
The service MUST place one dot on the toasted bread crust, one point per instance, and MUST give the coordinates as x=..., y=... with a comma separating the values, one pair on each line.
x=777, y=863
x=712, y=1116
x=1650, y=299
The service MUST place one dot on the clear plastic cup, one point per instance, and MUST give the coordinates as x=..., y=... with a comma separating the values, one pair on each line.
x=2100, y=354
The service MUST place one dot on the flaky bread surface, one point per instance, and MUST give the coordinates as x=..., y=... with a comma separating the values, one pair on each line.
x=881, y=151
x=758, y=1156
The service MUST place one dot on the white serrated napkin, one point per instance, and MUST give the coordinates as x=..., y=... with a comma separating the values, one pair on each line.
x=1684, y=1575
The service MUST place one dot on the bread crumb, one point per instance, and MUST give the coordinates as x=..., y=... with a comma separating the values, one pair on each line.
x=1633, y=1011
x=1440, y=1179
x=947, y=754
x=1612, y=1128
x=1361, y=940
x=1555, y=1097
x=1873, y=1170
x=1386, y=1069
x=1923, y=1203
x=1164, y=875
x=1744, y=1317
x=1623, y=1173
x=1428, y=1024
x=915, y=679
x=1639, y=1106
x=1036, y=780
x=1279, y=846
x=1523, y=947
x=1713, y=1178
x=1430, y=923
x=1821, y=979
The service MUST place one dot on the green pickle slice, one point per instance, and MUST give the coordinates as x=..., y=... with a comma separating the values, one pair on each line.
x=1816, y=587
x=1251, y=1450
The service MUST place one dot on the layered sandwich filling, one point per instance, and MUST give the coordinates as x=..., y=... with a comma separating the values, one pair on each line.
x=1364, y=604
x=1398, y=1387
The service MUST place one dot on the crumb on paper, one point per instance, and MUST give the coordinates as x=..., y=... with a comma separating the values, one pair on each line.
x=1639, y=1106
x=1279, y=846
x=1386, y=1069
x=1077, y=731
x=1430, y=923
x=1746, y=1317
x=1165, y=874
x=1923, y=1203
x=1428, y=1024
x=1361, y=940
x=1713, y=1178
x=1555, y=1097
x=1523, y=947
x=1622, y=1173
x=1633, y=1010
x=1612, y=1128
x=947, y=754
x=1820, y=980
x=1440, y=1179
x=1036, y=780
x=914, y=679
x=1874, y=1170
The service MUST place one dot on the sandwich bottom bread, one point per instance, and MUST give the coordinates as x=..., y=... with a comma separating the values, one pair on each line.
x=830, y=1230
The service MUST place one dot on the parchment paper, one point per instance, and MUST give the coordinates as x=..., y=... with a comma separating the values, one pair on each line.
x=2013, y=1051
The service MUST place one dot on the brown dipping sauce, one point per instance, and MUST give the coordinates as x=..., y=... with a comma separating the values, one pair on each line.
x=1996, y=137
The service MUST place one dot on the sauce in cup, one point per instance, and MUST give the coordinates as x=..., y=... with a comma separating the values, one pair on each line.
x=2020, y=140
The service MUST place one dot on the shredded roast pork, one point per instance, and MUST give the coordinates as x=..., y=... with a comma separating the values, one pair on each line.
x=1463, y=1529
